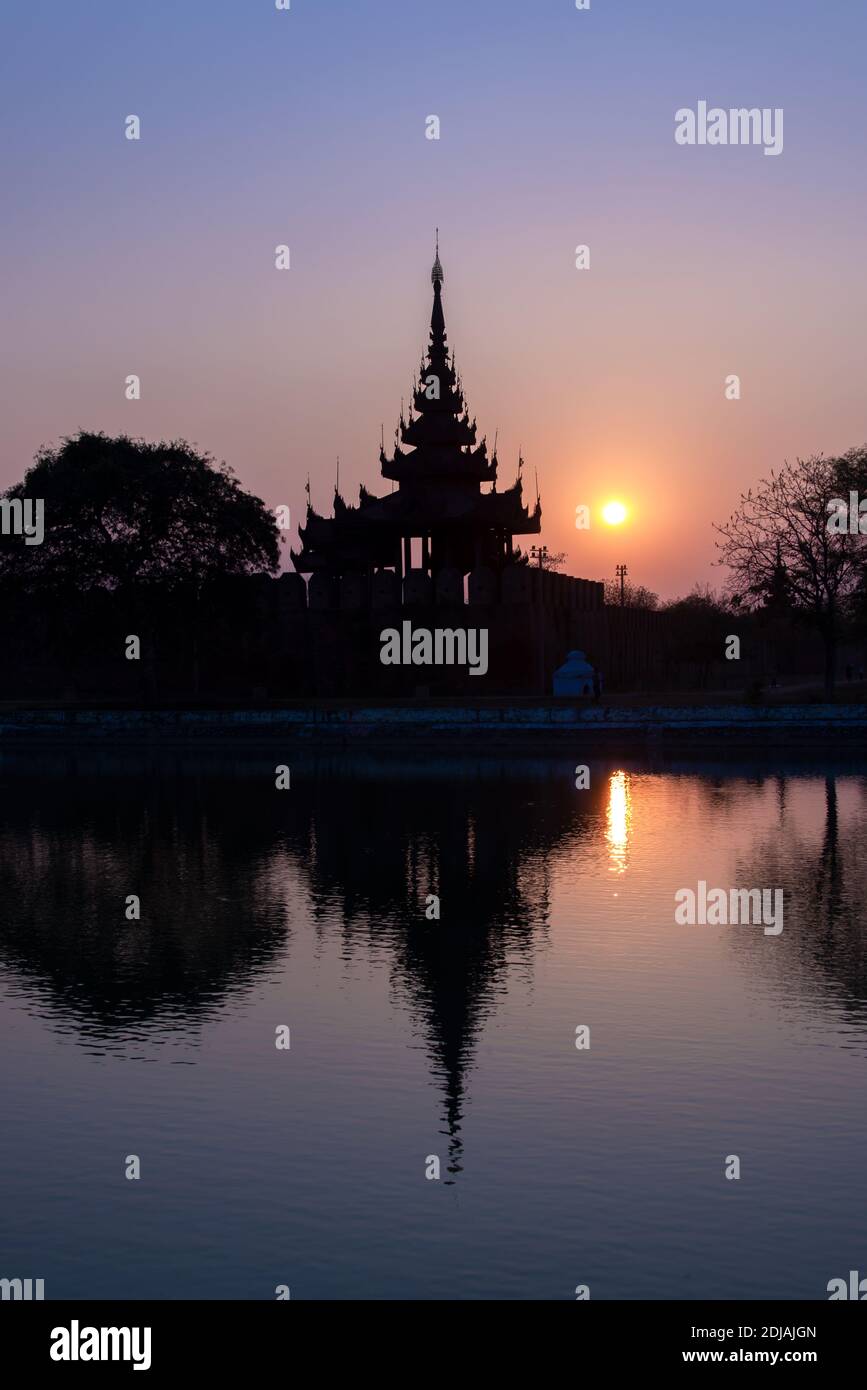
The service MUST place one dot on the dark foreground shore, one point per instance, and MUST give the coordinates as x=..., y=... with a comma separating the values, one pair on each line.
x=535, y=724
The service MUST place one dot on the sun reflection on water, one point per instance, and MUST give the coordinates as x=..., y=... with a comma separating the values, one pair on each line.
x=618, y=818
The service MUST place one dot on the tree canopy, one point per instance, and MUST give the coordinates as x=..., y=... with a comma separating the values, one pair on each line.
x=632, y=595
x=121, y=513
x=779, y=545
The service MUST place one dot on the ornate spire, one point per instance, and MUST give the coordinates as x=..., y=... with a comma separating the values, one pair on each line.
x=438, y=351
x=440, y=476
x=436, y=274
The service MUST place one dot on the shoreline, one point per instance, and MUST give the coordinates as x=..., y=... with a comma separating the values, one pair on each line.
x=527, y=723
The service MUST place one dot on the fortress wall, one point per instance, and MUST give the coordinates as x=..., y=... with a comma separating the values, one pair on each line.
x=281, y=637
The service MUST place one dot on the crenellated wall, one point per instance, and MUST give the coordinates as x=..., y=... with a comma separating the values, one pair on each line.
x=517, y=584
x=258, y=637
x=532, y=618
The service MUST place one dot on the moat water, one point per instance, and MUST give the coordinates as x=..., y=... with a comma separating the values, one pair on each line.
x=415, y=1038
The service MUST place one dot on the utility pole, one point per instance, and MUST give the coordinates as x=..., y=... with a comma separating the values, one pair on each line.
x=621, y=573
x=540, y=553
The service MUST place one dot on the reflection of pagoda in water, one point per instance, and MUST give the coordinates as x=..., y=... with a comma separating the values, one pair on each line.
x=439, y=497
x=485, y=844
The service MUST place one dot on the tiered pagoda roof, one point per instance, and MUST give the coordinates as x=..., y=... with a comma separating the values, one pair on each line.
x=439, y=480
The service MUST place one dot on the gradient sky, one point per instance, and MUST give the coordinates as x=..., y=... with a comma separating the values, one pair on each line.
x=557, y=128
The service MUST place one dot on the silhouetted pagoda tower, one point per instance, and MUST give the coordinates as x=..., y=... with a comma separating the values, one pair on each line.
x=439, y=497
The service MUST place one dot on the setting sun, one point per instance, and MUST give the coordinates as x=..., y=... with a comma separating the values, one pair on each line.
x=614, y=513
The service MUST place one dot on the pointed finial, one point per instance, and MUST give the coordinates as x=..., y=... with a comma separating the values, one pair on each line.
x=436, y=274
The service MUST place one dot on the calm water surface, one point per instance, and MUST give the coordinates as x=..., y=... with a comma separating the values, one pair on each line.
x=411, y=1037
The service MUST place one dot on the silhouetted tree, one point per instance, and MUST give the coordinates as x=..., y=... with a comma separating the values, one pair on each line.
x=138, y=538
x=121, y=513
x=553, y=561
x=852, y=477
x=776, y=595
x=634, y=595
x=697, y=625
x=784, y=526
x=546, y=561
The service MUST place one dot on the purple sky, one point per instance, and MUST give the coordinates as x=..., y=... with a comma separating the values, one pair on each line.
x=307, y=127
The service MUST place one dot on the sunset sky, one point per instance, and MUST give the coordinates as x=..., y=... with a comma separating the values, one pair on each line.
x=307, y=127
